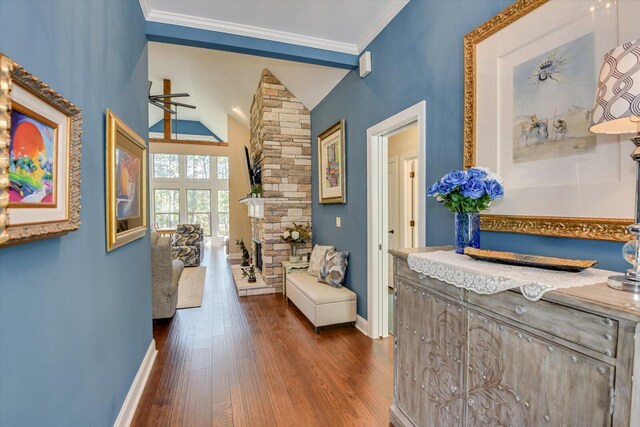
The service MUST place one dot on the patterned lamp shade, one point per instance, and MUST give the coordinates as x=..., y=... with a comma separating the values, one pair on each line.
x=617, y=106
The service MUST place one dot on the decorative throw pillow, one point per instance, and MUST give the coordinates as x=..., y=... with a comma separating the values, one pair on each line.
x=317, y=257
x=334, y=268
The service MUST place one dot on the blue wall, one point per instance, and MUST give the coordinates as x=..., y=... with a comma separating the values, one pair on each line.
x=418, y=56
x=75, y=322
x=185, y=127
x=196, y=37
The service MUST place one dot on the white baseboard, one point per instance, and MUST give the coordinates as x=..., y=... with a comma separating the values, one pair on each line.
x=362, y=325
x=234, y=255
x=130, y=404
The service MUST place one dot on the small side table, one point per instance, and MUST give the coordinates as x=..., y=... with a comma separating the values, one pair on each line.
x=289, y=267
x=168, y=231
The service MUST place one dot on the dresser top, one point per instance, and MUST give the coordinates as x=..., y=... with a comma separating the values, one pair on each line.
x=596, y=298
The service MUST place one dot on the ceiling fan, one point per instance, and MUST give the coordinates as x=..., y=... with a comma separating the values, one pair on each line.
x=160, y=100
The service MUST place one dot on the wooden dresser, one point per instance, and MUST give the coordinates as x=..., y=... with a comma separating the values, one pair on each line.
x=465, y=359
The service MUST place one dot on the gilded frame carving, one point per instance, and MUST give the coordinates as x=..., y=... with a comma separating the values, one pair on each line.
x=13, y=74
x=6, y=66
x=612, y=229
x=117, y=236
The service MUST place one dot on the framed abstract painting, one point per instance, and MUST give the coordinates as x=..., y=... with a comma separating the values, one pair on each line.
x=126, y=184
x=530, y=83
x=331, y=164
x=40, y=149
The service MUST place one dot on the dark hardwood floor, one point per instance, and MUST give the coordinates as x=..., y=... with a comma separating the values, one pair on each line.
x=255, y=361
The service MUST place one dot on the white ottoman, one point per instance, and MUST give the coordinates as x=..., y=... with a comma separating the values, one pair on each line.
x=322, y=304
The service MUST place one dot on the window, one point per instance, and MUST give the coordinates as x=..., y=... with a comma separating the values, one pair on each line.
x=198, y=167
x=166, y=166
x=223, y=212
x=199, y=209
x=166, y=207
x=223, y=167
x=191, y=189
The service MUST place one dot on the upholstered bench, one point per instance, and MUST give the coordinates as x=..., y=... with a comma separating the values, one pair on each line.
x=322, y=304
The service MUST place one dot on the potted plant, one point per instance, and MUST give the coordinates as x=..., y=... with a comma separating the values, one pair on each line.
x=245, y=252
x=466, y=194
x=250, y=274
x=256, y=191
x=296, y=236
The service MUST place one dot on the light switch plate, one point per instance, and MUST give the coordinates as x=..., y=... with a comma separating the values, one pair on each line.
x=338, y=222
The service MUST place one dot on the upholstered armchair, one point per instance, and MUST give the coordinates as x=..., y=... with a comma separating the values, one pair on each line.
x=188, y=244
x=165, y=274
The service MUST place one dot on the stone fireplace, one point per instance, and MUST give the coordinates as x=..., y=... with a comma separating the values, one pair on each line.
x=257, y=254
x=281, y=145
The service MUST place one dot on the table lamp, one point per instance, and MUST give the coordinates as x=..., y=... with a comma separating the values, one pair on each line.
x=617, y=111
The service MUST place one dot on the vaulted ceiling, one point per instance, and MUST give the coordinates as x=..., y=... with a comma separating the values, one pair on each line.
x=222, y=83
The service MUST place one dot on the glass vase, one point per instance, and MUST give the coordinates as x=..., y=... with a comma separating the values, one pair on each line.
x=293, y=253
x=467, y=231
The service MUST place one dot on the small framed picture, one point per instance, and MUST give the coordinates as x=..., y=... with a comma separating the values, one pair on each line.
x=331, y=164
x=126, y=184
x=40, y=149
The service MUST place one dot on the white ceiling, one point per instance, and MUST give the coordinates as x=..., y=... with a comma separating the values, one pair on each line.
x=340, y=25
x=219, y=81
x=222, y=83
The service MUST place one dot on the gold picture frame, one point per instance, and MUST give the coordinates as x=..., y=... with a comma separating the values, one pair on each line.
x=332, y=165
x=126, y=183
x=39, y=158
x=598, y=228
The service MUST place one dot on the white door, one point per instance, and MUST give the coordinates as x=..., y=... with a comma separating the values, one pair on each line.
x=393, y=229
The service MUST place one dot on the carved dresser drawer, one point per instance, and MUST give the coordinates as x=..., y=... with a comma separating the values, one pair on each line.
x=586, y=329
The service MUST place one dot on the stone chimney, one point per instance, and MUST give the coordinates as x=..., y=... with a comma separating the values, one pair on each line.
x=281, y=144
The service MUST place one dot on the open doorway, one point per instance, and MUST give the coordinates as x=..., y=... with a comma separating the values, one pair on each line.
x=402, y=198
x=395, y=212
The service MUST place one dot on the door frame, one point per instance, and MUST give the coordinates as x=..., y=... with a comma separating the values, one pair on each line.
x=378, y=210
x=398, y=177
x=404, y=197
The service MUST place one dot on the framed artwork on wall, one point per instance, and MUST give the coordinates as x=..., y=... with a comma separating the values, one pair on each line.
x=126, y=183
x=530, y=79
x=331, y=165
x=40, y=149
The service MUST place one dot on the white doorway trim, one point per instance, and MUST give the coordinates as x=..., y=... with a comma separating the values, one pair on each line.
x=378, y=209
x=407, y=196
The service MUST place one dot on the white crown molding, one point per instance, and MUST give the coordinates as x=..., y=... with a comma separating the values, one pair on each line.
x=145, y=5
x=246, y=30
x=394, y=8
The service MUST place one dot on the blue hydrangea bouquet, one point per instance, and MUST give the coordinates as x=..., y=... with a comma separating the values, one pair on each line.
x=466, y=193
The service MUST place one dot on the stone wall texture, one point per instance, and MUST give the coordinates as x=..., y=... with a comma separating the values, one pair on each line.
x=281, y=143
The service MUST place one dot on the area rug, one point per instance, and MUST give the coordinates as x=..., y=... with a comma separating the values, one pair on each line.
x=191, y=287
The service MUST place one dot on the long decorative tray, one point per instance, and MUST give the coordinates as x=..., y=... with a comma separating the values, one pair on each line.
x=550, y=263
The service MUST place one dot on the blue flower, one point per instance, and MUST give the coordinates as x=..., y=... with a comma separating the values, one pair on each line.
x=477, y=173
x=474, y=188
x=434, y=189
x=444, y=189
x=452, y=180
x=494, y=189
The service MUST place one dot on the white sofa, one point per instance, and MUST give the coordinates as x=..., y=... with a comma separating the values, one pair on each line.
x=322, y=304
x=165, y=275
